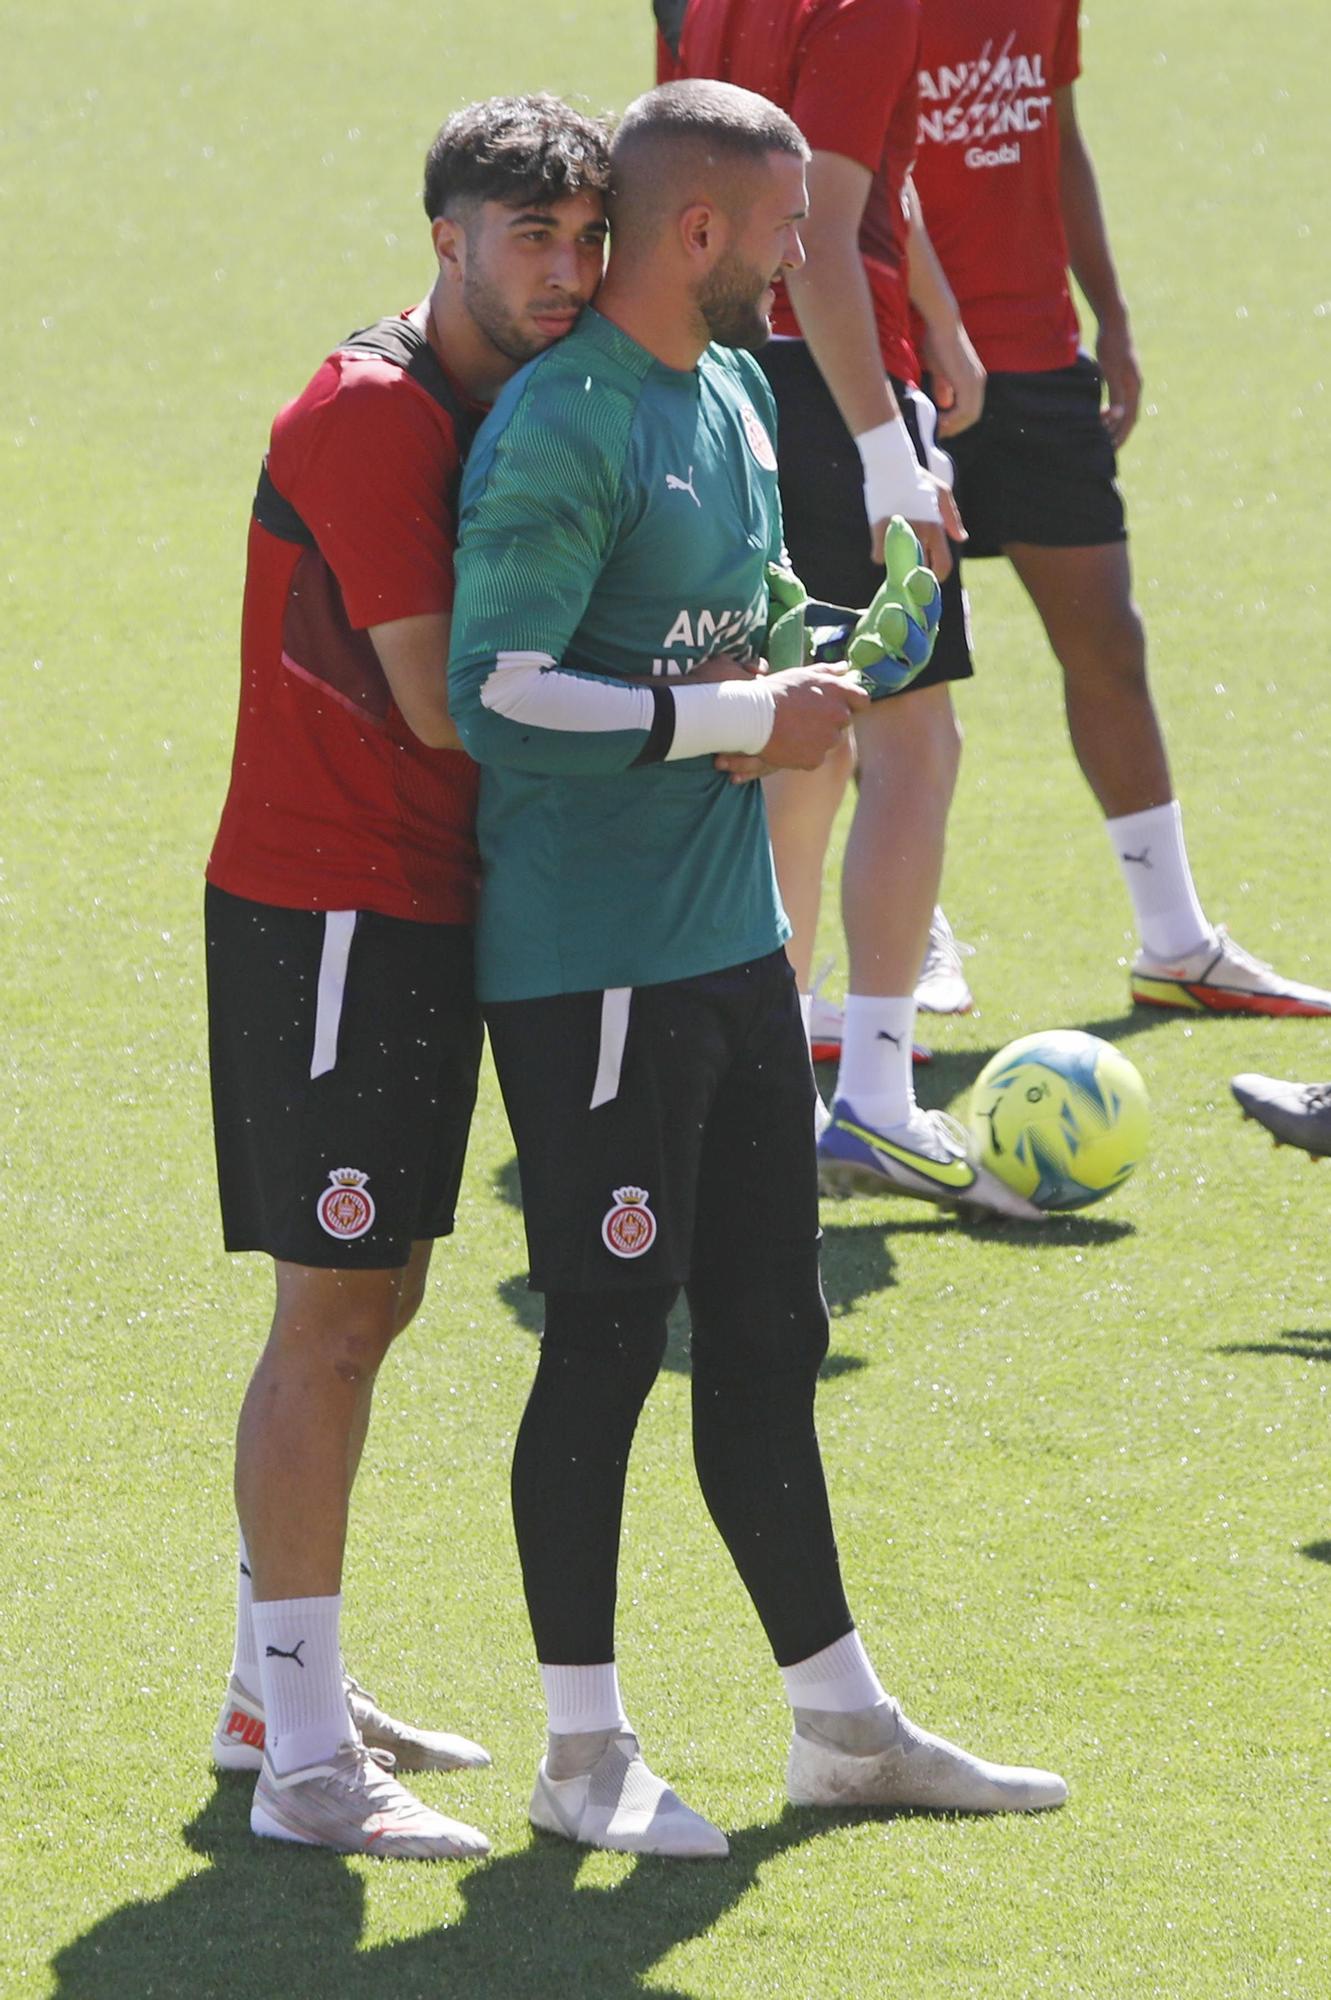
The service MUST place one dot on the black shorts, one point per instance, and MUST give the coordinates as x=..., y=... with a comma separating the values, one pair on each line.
x=344, y=1050
x=1039, y=466
x=663, y=1131
x=822, y=503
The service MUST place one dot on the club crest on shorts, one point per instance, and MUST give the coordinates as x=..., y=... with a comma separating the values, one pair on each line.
x=344, y=1208
x=756, y=432
x=629, y=1228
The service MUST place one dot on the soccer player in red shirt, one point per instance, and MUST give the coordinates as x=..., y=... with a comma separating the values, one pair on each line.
x=857, y=444
x=344, y=1035
x=1010, y=195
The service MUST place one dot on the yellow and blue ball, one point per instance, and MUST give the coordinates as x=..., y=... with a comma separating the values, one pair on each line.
x=1061, y=1117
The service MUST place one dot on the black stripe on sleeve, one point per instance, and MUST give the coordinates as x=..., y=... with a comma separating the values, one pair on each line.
x=275, y=513
x=662, y=732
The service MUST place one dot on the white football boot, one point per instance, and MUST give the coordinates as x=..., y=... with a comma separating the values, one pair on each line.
x=352, y=1805
x=941, y=987
x=904, y=1766
x=620, y=1804
x=238, y=1739
x=1222, y=978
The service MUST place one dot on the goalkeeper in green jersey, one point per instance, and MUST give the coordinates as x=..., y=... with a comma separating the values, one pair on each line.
x=619, y=514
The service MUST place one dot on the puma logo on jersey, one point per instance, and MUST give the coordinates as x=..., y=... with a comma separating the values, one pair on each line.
x=676, y=485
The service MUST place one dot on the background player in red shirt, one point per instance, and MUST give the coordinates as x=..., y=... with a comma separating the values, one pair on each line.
x=856, y=444
x=344, y=1035
x=1010, y=195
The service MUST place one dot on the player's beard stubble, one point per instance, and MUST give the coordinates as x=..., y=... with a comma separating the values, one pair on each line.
x=728, y=303
x=502, y=326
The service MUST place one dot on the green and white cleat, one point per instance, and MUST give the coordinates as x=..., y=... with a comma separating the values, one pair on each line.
x=621, y=1805
x=930, y=1157
x=354, y=1806
x=238, y=1739
x=910, y=1770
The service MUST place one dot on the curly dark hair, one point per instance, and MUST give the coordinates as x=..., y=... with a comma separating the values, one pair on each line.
x=515, y=150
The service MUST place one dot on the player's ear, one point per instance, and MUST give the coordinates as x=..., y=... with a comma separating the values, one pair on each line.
x=450, y=244
x=701, y=229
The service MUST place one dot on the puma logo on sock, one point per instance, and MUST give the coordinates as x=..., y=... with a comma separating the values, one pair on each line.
x=1143, y=860
x=276, y=1653
x=883, y=1036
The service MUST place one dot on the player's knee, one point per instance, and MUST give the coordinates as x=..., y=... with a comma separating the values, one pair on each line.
x=619, y=1333
x=351, y=1336
x=763, y=1337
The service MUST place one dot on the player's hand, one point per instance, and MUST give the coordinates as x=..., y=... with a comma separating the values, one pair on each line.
x=725, y=667
x=957, y=378
x=814, y=706
x=743, y=770
x=1123, y=380
x=893, y=640
x=933, y=536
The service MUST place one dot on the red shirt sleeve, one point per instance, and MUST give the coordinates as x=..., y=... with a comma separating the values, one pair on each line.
x=1066, y=67
x=367, y=459
x=855, y=60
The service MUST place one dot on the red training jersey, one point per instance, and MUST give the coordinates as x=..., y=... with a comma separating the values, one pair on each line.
x=844, y=70
x=987, y=171
x=333, y=802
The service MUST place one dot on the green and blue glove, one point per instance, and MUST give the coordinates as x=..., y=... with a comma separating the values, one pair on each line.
x=885, y=646
x=893, y=640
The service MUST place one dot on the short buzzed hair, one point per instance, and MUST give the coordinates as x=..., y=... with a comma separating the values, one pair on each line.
x=688, y=140
x=518, y=150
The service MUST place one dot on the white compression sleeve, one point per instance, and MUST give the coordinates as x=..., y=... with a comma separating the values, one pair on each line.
x=721, y=715
x=894, y=480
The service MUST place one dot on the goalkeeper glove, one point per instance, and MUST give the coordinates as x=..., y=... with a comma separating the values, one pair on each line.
x=893, y=640
x=786, y=644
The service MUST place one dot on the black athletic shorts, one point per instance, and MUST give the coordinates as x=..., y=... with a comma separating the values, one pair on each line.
x=822, y=502
x=1039, y=466
x=662, y=1131
x=344, y=1049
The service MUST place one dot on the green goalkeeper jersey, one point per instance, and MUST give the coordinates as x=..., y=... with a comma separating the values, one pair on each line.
x=617, y=518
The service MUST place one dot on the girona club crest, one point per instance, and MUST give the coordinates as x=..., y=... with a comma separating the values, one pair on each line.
x=756, y=433
x=629, y=1229
x=344, y=1208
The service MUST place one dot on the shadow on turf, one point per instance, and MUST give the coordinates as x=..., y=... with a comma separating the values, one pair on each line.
x=1303, y=1343
x=1318, y=1552
x=273, y=1920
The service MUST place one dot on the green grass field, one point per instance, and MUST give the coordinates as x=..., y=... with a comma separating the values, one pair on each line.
x=1080, y=1475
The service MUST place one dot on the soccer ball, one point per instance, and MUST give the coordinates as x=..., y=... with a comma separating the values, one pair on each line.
x=1061, y=1117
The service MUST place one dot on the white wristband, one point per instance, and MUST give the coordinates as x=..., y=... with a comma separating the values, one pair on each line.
x=894, y=480
x=722, y=715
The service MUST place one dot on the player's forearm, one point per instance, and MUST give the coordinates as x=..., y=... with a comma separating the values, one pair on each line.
x=834, y=306
x=930, y=292
x=525, y=711
x=1089, y=255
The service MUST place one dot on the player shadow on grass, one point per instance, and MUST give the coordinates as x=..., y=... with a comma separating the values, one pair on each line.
x=266, y=1918
x=1302, y=1343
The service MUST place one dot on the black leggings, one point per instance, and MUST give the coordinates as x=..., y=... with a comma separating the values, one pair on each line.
x=757, y=1346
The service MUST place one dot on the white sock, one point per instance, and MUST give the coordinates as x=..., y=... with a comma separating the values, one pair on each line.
x=876, y=1072
x=581, y=1699
x=840, y=1678
x=1170, y=920
x=245, y=1654
x=300, y=1671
